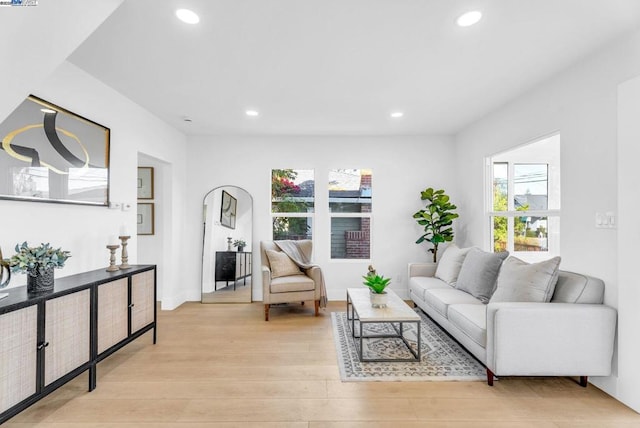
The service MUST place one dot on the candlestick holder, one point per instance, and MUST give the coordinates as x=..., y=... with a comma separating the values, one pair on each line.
x=125, y=254
x=112, y=260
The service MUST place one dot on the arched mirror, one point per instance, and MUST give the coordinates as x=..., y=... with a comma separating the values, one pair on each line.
x=226, y=254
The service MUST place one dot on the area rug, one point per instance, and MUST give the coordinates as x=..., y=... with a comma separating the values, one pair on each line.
x=442, y=358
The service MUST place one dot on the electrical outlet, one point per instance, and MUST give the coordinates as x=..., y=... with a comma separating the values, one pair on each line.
x=126, y=207
x=115, y=205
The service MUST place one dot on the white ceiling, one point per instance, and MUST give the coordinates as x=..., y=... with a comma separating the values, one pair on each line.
x=328, y=67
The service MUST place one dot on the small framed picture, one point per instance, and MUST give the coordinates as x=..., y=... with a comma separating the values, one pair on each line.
x=145, y=182
x=145, y=218
x=228, y=209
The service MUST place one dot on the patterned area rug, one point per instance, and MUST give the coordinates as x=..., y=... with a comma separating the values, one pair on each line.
x=442, y=358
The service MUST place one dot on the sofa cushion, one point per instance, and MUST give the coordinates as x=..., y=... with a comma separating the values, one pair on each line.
x=418, y=284
x=471, y=320
x=479, y=273
x=440, y=299
x=449, y=265
x=281, y=264
x=519, y=281
x=288, y=284
x=577, y=288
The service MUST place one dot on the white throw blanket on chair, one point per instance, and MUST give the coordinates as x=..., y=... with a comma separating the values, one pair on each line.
x=295, y=253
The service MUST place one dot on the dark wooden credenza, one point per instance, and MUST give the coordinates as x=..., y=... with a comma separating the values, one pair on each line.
x=46, y=340
x=232, y=266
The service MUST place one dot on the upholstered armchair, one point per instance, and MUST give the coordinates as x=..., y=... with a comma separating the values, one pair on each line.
x=283, y=281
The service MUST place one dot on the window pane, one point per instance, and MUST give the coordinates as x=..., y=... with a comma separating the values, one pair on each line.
x=292, y=190
x=500, y=177
x=350, y=191
x=294, y=228
x=500, y=234
x=530, y=234
x=530, y=187
x=350, y=238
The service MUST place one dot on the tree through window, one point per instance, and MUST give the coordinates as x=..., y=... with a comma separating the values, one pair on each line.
x=292, y=203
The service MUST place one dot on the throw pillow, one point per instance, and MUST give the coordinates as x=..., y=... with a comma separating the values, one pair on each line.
x=449, y=265
x=281, y=264
x=519, y=281
x=479, y=273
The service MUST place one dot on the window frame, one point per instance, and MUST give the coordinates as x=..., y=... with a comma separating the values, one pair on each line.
x=281, y=214
x=360, y=215
x=553, y=215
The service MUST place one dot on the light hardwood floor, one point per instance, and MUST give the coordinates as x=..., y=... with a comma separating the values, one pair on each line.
x=224, y=366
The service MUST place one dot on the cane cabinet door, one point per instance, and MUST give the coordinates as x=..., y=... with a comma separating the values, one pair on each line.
x=113, y=299
x=18, y=355
x=67, y=332
x=142, y=300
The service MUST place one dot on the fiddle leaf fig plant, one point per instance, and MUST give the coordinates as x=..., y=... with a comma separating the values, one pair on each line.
x=436, y=218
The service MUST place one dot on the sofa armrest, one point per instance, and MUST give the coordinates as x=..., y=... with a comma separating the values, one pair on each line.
x=550, y=339
x=422, y=269
x=266, y=284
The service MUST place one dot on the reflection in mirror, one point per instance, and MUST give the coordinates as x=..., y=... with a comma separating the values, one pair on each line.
x=226, y=254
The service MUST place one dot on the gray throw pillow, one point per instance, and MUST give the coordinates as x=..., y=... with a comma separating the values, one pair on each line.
x=519, y=281
x=479, y=273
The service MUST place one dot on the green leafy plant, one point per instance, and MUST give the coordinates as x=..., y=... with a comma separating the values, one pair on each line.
x=239, y=243
x=377, y=283
x=437, y=218
x=33, y=260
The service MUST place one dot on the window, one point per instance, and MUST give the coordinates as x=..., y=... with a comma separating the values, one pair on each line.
x=524, y=199
x=292, y=203
x=350, y=212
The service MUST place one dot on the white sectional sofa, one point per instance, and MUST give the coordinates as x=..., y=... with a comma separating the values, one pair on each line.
x=571, y=335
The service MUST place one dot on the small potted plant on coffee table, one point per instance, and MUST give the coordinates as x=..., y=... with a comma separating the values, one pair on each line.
x=377, y=284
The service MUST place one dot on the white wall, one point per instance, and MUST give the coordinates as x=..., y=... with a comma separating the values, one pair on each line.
x=36, y=40
x=402, y=167
x=580, y=103
x=85, y=230
x=628, y=241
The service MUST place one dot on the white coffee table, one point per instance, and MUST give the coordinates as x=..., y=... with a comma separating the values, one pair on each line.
x=397, y=313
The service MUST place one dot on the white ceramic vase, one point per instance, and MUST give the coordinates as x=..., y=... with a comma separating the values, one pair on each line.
x=378, y=300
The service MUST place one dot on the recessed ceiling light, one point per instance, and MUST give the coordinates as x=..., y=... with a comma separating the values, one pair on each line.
x=252, y=113
x=188, y=16
x=396, y=114
x=469, y=18
x=47, y=110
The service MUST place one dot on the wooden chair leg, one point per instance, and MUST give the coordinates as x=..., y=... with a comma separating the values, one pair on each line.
x=317, y=303
x=266, y=312
x=489, y=377
x=583, y=381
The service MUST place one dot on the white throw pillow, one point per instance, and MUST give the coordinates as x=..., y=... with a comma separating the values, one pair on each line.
x=281, y=264
x=449, y=265
x=519, y=281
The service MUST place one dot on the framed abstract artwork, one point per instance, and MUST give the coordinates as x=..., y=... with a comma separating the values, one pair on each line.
x=228, y=209
x=49, y=154
x=145, y=218
x=145, y=182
